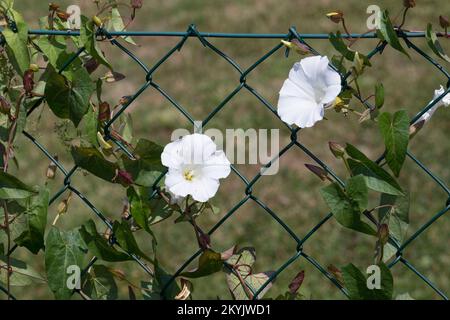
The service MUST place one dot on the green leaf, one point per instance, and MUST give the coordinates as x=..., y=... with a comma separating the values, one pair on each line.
x=13, y=188
x=126, y=239
x=356, y=189
x=356, y=284
x=376, y=177
x=36, y=219
x=346, y=210
x=100, y=283
x=340, y=46
x=434, y=44
x=379, y=96
x=17, y=49
x=147, y=167
x=209, y=262
x=146, y=211
x=349, y=54
x=389, y=34
x=139, y=208
x=52, y=47
x=90, y=127
x=93, y=161
x=397, y=218
x=153, y=290
x=69, y=99
x=88, y=38
x=99, y=246
x=404, y=296
x=22, y=274
x=62, y=249
x=395, y=131
x=241, y=280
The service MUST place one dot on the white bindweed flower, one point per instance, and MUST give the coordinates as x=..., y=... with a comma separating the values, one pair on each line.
x=195, y=167
x=312, y=85
x=445, y=101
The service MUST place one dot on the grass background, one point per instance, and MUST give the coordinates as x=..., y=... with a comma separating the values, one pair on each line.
x=199, y=80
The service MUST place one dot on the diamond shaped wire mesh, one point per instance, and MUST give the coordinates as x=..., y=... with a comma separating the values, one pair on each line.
x=299, y=240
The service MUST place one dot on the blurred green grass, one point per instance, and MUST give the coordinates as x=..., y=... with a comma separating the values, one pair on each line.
x=199, y=80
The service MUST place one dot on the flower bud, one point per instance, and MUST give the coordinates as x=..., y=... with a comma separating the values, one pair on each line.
x=335, y=16
x=296, y=282
x=444, y=22
x=318, y=171
x=297, y=46
x=409, y=3
x=136, y=4
x=28, y=81
x=53, y=6
x=98, y=22
x=336, y=149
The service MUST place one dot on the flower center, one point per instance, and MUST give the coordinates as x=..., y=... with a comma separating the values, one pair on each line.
x=188, y=174
x=319, y=93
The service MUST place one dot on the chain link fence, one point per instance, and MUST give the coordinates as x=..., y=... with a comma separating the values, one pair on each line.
x=151, y=84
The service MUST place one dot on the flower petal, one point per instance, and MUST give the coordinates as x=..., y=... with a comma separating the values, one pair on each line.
x=203, y=189
x=314, y=66
x=171, y=155
x=196, y=148
x=304, y=113
x=217, y=166
x=331, y=93
x=290, y=88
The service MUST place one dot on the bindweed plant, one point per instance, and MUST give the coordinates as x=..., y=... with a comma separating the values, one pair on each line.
x=58, y=68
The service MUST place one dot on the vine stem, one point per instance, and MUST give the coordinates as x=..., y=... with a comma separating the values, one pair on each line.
x=6, y=157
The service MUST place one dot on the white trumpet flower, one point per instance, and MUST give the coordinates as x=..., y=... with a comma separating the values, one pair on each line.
x=311, y=87
x=195, y=167
x=445, y=101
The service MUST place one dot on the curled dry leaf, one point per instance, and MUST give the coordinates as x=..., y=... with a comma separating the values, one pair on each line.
x=51, y=169
x=335, y=16
x=186, y=290
x=112, y=76
x=228, y=253
x=64, y=16
x=91, y=65
x=337, y=273
x=104, y=111
x=414, y=128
